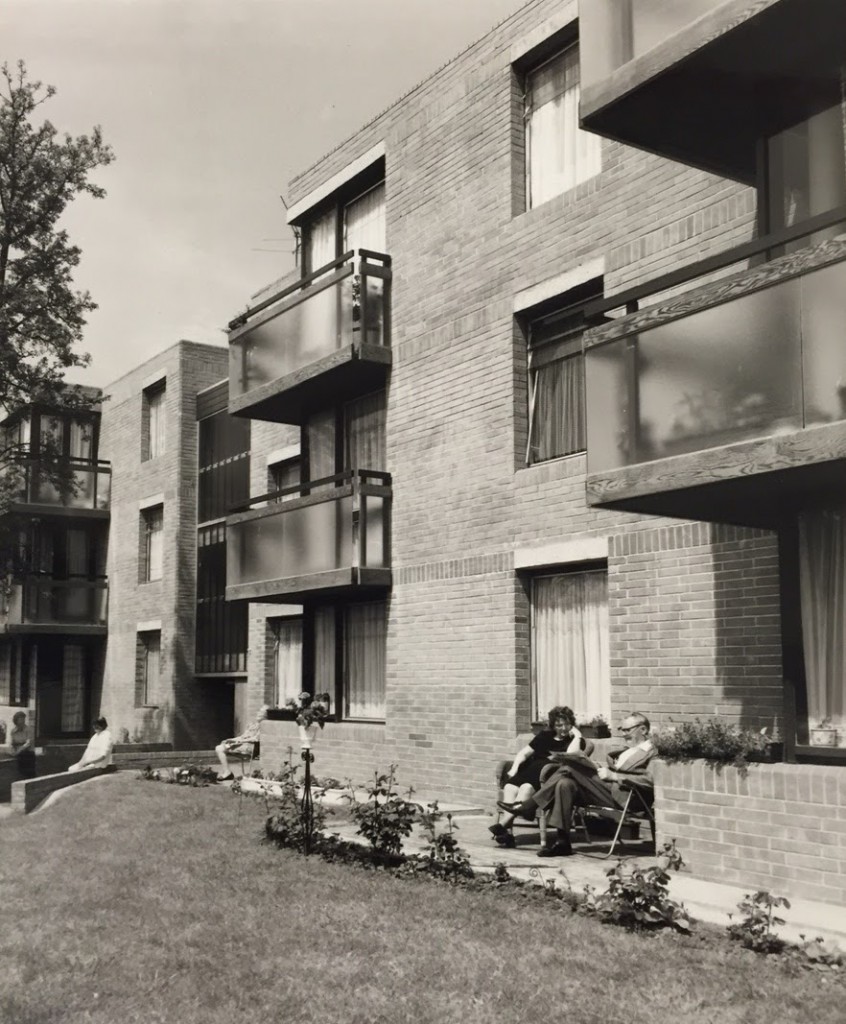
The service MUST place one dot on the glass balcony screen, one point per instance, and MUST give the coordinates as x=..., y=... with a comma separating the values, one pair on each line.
x=613, y=32
x=291, y=542
x=88, y=488
x=315, y=327
x=66, y=603
x=767, y=363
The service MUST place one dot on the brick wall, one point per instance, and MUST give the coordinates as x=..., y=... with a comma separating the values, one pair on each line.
x=463, y=246
x=780, y=827
x=185, y=712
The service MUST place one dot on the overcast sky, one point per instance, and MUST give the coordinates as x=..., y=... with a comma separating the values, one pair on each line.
x=211, y=106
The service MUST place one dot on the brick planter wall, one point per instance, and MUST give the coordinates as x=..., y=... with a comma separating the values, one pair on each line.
x=782, y=827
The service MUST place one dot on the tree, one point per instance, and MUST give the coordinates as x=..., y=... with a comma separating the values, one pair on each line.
x=41, y=316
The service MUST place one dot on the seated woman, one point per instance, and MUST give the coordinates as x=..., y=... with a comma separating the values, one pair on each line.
x=98, y=753
x=23, y=746
x=523, y=777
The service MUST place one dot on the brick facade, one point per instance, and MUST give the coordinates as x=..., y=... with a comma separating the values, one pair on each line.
x=464, y=251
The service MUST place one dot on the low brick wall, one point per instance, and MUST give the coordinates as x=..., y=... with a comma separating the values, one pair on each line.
x=780, y=827
x=27, y=794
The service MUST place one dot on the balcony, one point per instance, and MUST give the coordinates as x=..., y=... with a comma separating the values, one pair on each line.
x=727, y=402
x=700, y=81
x=70, y=488
x=320, y=341
x=328, y=537
x=39, y=604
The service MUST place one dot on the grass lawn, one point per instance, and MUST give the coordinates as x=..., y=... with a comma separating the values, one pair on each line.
x=129, y=901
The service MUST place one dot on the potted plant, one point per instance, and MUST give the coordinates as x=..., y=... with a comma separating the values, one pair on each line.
x=310, y=713
x=766, y=749
x=824, y=734
x=593, y=727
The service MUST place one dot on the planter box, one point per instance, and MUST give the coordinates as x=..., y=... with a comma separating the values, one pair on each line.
x=594, y=732
x=280, y=715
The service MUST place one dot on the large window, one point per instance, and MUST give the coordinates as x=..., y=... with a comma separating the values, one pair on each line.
x=148, y=668
x=153, y=430
x=822, y=587
x=556, y=410
x=152, y=523
x=223, y=464
x=559, y=154
x=356, y=632
x=352, y=218
x=569, y=642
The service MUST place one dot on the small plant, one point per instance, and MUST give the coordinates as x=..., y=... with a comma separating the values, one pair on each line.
x=713, y=740
x=638, y=898
x=385, y=818
x=186, y=775
x=310, y=709
x=501, y=873
x=819, y=955
x=754, y=930
x=591, y=721
x=442, y=856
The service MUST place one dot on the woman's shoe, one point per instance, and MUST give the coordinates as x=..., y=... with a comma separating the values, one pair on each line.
x=503, y=805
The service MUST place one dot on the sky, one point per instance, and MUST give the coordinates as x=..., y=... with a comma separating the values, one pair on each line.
x=211, y=107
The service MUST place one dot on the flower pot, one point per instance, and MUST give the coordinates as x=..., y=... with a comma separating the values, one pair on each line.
x=280, y=715
x=823, y=737
x=770, y=753
x=594, y=732
x=308, y=734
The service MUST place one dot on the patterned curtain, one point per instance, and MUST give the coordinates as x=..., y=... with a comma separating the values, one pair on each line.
x=73, y=688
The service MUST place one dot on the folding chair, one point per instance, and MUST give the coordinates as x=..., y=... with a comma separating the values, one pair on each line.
x=636, y=809
x=244, y=757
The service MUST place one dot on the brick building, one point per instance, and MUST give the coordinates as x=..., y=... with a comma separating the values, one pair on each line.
x=504, y=453
x=512, y=494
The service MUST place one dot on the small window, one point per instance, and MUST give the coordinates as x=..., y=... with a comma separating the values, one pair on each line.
x=556, y=377
x=148, y=668
x=282, y=475
x=14, y=690
x=569, y=642
x=152, y=523
x=559, y=155
x=153, y=426
x=287, y=659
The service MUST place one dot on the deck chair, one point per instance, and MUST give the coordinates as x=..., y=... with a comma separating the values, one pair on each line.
x=246, y=758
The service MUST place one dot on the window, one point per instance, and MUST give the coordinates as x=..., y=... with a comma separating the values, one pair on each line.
x=223, y=465
x=364, y=432
x=822, y=592
x=73, y=689
x=154, y=428
x=282, y=475
x=149, y=665
x=805, y=173
x=287, y=659
x=559, y=154
x=352, y=218
x=556, y=371
x=350, y=656
x=152, y=522
x=221, y=633
x=14, y=690
x=364, y=660
x=569, y=642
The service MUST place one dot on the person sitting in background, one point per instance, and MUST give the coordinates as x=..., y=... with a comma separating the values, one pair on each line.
x=23, y=745
x=523, y=777
x=98, y=753
x=580, y=782
x=242, y=746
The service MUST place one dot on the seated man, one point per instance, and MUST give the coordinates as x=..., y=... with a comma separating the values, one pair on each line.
x=242, y=745
x=580, y=782
x=98, y=753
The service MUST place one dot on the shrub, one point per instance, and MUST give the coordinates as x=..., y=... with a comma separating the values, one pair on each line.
x=292, y=824
x=385, y=818
x=638, y=898
x=754, y=930
x=442, y=856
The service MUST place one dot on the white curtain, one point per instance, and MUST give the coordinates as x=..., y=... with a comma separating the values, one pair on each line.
x=556, y=408
x=366, y=632
x=558, y=153
x=81, y=438
x=156, y=426
x=5, y=674
x=321, y=240
x=822, y=584
x=365, y=432
x=324, y=650
x=364, y=221
x=154, y=523
x=288, y=667
x=320, y=431
x=73, y=688
x=152, y=667
x=569, y=636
